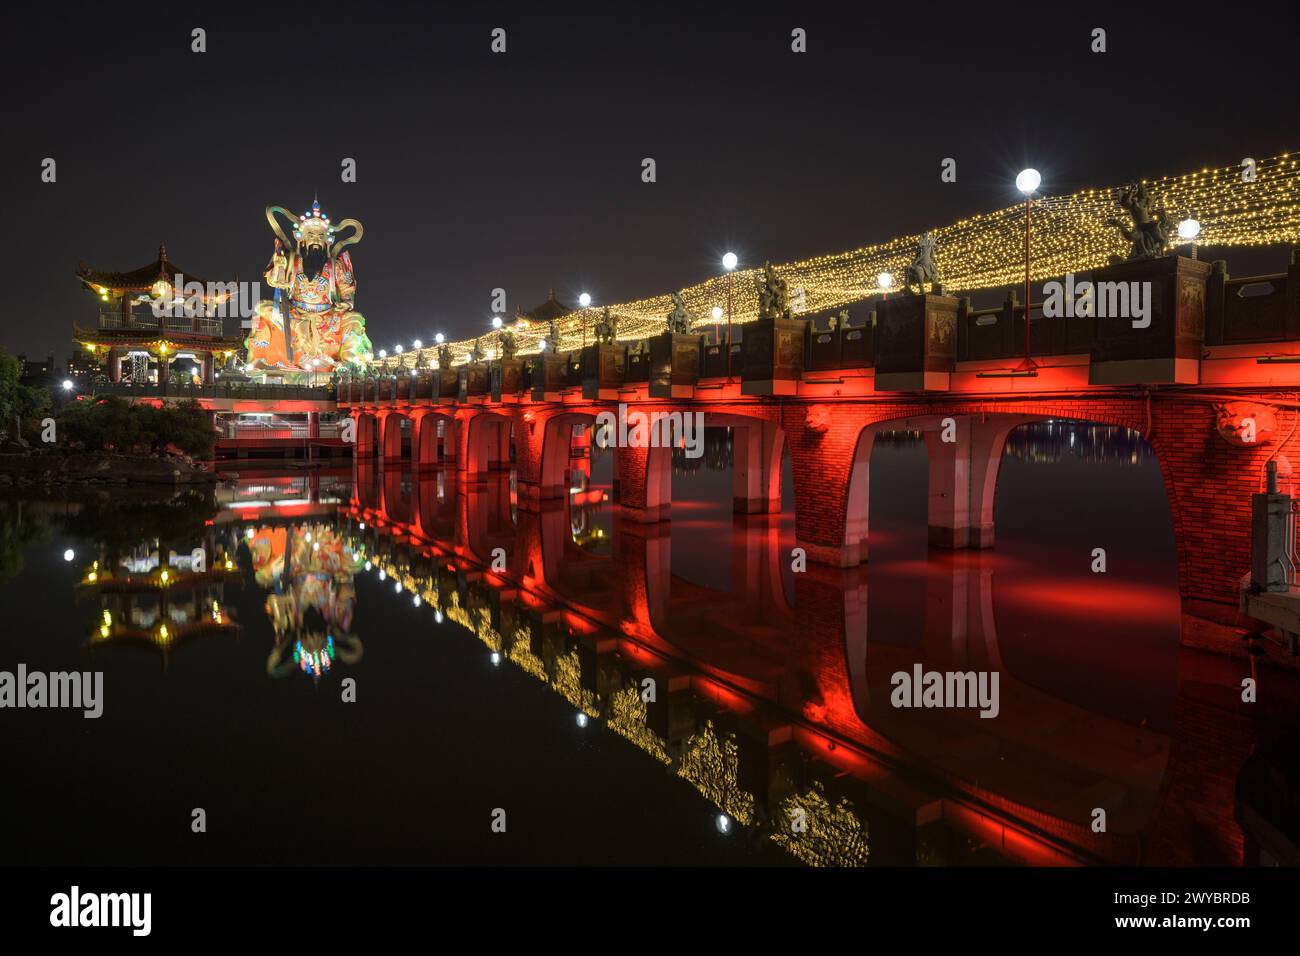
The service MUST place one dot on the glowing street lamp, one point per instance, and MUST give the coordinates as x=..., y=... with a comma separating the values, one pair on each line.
x=496, y=321
x=417, y=344
x=584, y=300
x=1027, y=181
x=885, y=282
x=67, y=385
x=439, y=338
x=383, y=353
x=717, y=313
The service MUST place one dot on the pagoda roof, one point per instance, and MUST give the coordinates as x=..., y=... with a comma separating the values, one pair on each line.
x=137, y=280
x=552, y=308
x=180, y=338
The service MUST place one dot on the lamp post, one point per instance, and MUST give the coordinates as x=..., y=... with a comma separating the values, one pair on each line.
x=584, y=300
x=884, y=282
x=729, y=262
x=1188, y=230
x=1027, y=181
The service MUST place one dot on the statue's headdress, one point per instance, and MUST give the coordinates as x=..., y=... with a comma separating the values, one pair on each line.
x=313, y=230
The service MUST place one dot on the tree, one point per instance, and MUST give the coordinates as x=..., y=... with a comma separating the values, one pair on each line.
x=110, y=423
x=21, y=406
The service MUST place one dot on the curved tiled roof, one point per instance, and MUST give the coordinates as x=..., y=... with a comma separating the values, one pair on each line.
x=137, y=280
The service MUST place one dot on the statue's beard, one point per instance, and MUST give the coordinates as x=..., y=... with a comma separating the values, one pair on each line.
x=313, y=261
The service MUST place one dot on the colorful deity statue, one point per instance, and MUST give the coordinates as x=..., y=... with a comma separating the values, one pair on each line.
x=312, y=325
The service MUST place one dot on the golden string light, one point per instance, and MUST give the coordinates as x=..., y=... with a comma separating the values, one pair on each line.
x=986, y=251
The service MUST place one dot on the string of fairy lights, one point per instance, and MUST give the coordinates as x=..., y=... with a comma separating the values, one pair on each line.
x=1070, y=233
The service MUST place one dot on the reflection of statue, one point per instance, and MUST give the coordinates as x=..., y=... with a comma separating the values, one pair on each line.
x=1151, y=228
x=315, y=289
x=444, y=357
x=606, y=328
x=773, y=298
x=312, y=604
x=506, y=341
x=923, y=268
x=679, y=320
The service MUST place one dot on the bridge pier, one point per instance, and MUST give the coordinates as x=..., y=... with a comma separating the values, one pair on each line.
x=390, y=432
x=964, y=478
x=365, y=433
x=645, y=483
x=484, y=445
x=756, y=467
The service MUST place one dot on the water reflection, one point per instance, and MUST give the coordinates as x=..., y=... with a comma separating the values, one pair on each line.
x=309, y=571
x=764, y=691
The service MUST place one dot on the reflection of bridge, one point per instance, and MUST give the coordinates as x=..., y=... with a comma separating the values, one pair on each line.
x=928, y=363
x=798, y=679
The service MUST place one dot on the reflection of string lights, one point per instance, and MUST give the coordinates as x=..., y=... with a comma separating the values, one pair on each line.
x=986, y=251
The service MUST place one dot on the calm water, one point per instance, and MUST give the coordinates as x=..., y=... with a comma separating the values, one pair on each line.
x=624, y=694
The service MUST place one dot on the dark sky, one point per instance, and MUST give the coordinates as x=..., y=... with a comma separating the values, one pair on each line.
x=522, y=170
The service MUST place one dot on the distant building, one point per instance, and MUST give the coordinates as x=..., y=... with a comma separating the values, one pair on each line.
x=552, y=308
x=39, y=373
x=83, y=365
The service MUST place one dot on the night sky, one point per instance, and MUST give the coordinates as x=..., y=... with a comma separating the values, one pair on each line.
x=523, y=170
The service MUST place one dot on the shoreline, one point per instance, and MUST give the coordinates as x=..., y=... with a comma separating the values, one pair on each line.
x=37, y=468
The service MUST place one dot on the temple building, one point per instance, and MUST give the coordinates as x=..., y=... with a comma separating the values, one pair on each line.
x=158, y=322
x=552, y=308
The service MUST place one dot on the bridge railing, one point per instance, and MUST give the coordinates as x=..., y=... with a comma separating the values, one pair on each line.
x=255, y=391
x=843, y=347
x=775, y=353
x=1262, y=308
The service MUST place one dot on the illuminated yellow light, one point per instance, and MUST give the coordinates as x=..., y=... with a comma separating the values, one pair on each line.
x=984, y=251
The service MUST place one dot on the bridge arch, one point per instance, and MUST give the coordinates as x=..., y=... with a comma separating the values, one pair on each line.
x=391, y=436
x=555, y=452
x=758, y=450
x=434, y=438
x=484, y=443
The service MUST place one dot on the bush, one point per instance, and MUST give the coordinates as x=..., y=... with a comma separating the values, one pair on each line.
x=110, y=423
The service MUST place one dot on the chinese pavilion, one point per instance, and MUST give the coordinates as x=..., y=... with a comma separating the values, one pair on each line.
x=179, y=319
